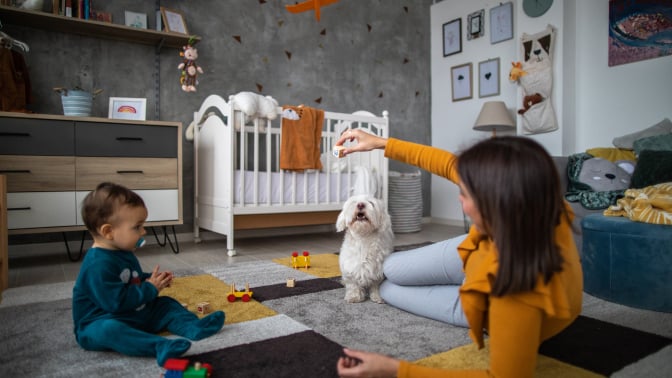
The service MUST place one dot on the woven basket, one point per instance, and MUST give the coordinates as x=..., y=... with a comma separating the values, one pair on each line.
x=405, y=201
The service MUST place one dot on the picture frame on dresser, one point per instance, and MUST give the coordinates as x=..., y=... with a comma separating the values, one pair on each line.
x=127, y=108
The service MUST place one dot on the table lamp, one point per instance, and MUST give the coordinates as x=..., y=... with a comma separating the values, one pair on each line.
x=494, y=117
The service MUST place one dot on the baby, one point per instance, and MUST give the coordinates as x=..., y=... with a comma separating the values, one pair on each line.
x=115, y=305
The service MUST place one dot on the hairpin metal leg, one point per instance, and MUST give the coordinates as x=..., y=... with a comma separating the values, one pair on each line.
x=81, y=247
x=166, y=238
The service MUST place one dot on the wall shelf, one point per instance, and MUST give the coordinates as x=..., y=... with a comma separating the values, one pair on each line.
x=91, y=28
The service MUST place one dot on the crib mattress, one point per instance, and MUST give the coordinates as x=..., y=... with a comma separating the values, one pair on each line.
x=291, y=188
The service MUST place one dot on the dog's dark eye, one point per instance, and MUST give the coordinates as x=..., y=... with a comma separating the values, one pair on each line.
x=372, y=204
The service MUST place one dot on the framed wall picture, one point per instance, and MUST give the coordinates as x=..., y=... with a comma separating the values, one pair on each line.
x=475, y=24
x=452, y=37
x=127, y=108
x=173, y=21
x=461, y=82
x=135, y=19
x=488, y=78
x=501, y=23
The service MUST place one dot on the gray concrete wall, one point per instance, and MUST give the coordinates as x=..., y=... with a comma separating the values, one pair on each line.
x=362, y=55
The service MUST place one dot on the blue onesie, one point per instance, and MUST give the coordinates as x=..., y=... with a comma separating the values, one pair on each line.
x=115, y=308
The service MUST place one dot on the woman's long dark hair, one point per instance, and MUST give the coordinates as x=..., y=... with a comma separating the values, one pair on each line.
x=515, y=185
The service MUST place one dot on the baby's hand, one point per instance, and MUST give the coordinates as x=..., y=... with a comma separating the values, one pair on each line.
x=160, y=280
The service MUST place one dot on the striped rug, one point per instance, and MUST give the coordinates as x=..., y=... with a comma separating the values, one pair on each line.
x=293, y=331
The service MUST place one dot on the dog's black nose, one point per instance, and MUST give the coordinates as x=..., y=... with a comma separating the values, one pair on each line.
x=360, y=206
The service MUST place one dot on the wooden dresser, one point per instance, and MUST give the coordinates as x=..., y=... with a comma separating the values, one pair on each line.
x=52, y=162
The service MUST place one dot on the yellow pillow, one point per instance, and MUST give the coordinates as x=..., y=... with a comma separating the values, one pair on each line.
x=612, y=154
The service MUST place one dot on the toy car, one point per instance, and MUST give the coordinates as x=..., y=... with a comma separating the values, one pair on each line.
x=300, y=261
x=244, y=295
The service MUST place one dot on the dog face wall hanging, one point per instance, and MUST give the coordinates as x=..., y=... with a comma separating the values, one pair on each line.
x=537, y=53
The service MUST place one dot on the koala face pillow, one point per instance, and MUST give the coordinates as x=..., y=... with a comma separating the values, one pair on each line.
x=603, y=175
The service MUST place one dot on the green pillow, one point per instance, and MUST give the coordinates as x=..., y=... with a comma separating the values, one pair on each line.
x=661, y=142
x=653, y=167
x=626, y=141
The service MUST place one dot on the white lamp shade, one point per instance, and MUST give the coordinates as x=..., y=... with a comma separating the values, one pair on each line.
x=494, y=117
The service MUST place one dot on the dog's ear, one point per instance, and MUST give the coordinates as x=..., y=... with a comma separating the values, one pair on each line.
x=341, y=222
x=384, y=217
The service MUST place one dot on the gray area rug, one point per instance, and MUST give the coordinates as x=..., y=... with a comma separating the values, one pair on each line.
x=37, y=338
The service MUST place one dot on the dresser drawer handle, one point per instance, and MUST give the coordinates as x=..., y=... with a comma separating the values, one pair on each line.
x=122, y=172
x=15, y=171
x=137, y=139
x=8, y=134
x=18, y=208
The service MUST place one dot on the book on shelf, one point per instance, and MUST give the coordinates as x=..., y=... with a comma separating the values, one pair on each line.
x=72, y=8
x=87, y=9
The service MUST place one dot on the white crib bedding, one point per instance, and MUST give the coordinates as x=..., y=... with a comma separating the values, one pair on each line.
x=309, y=188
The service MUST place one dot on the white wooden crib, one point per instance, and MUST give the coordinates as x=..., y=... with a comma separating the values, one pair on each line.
x=238, y=184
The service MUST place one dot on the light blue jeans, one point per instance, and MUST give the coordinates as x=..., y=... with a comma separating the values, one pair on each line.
x=426, y=281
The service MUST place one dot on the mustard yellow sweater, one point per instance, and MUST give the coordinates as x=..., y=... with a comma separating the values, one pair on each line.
x=518, y=323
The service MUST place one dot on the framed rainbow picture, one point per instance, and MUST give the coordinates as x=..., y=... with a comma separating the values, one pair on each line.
x=128, y=108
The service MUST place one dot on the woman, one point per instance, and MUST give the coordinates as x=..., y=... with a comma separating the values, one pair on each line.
x=516, y=276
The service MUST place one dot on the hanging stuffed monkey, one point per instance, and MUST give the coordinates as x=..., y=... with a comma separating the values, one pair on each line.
x=190, y=70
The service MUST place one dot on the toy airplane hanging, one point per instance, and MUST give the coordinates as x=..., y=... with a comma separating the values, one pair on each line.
x=310, y=5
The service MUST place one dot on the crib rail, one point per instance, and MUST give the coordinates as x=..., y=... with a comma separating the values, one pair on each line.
x=261, y=182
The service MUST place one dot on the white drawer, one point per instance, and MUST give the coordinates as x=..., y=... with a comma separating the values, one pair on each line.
x=40, y=209
x=162, y=205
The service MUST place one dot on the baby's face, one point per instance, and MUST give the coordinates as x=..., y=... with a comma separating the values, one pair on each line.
x=128, y=227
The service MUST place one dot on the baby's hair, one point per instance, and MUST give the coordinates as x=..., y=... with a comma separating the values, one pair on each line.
x=100, y=205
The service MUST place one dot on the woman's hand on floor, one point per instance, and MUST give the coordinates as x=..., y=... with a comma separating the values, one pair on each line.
x=358, y=364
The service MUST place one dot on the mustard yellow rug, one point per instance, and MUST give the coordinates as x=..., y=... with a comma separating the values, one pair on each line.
x=193, y=290
x=323, y=265
x=470, y=357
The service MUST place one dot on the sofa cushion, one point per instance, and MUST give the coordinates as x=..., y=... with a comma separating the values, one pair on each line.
x=653, y=167
x=661, y=142
x=626, y=141
x=578, y=191
x=603, y=175
x=612, y=154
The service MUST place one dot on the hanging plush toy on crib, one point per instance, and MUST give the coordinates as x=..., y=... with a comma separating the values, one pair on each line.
x=190, y=70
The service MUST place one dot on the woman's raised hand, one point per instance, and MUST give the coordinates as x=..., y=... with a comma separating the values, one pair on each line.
x=365, y=141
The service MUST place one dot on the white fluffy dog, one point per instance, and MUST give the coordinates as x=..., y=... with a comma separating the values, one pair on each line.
x=368, y=240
